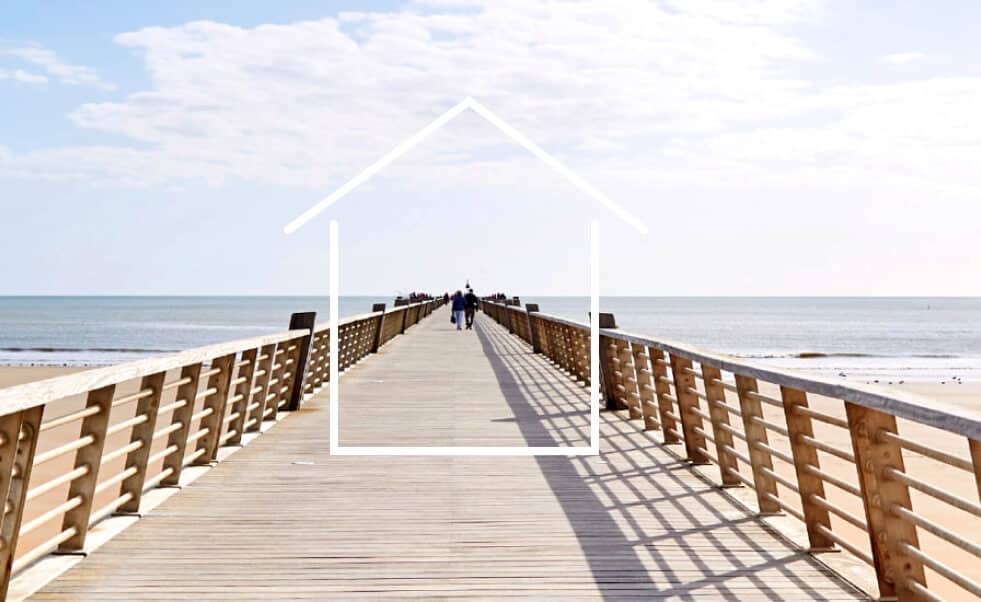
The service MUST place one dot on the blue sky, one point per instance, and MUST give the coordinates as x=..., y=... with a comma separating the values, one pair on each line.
x=802, y=147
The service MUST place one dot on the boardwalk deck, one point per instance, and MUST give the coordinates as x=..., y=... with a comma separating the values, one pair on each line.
x=283, y=519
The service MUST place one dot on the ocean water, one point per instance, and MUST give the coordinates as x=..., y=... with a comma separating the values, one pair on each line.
x=109, y=330
x=863, y=338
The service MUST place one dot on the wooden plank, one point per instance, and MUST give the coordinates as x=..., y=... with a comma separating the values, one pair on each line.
x=174, y=462
x=756, y=433
x=873, y=454
x=91, y=455
x=261, y=388
x=149, y=407
x=716, y=394
x=799, y=425
x=18, y=463
x=215, y=421
x=691, y=423
x=242, y=392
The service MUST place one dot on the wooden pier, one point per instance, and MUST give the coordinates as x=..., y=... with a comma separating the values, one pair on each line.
x=683, y=501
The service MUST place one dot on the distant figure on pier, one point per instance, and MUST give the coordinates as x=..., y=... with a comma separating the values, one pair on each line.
x=446, y=297
x=470, y=308
x=459, y=304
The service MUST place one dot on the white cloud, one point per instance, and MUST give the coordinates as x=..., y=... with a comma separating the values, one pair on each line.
x=19, y=75
x=704, y=92
x=902, y=58
x=63, y=72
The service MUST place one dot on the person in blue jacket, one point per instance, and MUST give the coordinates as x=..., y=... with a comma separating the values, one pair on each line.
x=459, y=304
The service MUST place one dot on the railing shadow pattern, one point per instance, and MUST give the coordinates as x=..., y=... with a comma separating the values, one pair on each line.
x=640, y=517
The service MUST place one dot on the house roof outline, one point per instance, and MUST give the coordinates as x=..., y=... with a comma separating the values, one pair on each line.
x=412, y=141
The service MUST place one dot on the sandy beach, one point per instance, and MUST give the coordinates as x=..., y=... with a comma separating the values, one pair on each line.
x=961, y=483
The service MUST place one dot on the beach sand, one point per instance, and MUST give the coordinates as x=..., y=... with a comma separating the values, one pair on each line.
x=953, y=480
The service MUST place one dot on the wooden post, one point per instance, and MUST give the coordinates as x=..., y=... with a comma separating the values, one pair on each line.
x=16, y=463
x=242, y=396
x=301, y=321
x=684, y=385
x=263, y=375
x=174, y=462
x=609, y=322
x=975, y=446
x=217, y=403
x=405, y=317
x=873, y=455
x=628, y=380
x=536, y=343
x=716, y=394
x=759, y=458
x=669, y=426
x=798, y=426
x=148, y=406
x=91, y=456
x=645, y=387
x=277, y=382
x=376, y=345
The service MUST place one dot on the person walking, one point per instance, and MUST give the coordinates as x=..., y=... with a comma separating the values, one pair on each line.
x=459, y=304
x=470, y=308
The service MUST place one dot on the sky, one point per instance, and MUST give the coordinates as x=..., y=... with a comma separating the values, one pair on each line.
x=772, y=147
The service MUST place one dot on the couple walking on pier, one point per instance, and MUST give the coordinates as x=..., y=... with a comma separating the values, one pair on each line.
x=464, y=308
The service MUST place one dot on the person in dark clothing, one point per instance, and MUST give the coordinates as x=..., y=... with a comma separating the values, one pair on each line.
x=470, y=309
x=459, y=304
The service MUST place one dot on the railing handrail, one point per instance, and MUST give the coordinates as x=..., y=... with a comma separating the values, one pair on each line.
x=910, y=406
x=365, y=316
x=34, y=394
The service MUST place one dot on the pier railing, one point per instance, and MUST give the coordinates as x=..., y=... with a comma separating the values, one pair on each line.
x=847, y=461
x=79, y=448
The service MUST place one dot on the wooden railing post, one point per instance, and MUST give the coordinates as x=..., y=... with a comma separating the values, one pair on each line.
x=682, y=370
x=536, y=344
x=174, y=461
x=90, y=456
x=628, y=380
x=975, y=446
x=149, y=407
x=277, y=382
x=217, y=403
x=750, y=407
x=715, y=392
x=662, y=390
x=873, y=455
x=798, y=427
x=301, y=321
x=645, y=386
x=381, y=326
x=608, y=322
x=242, y=396
x=16, y=463
x=258, y=393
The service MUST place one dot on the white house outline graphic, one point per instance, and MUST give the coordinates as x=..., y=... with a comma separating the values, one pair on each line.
x=368, y=173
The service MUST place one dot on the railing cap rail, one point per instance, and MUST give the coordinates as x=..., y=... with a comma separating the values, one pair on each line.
x=910, y=406
x=372, y=314
x=31, y=395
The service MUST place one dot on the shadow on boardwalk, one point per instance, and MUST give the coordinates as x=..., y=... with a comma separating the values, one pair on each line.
x=643, y=521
